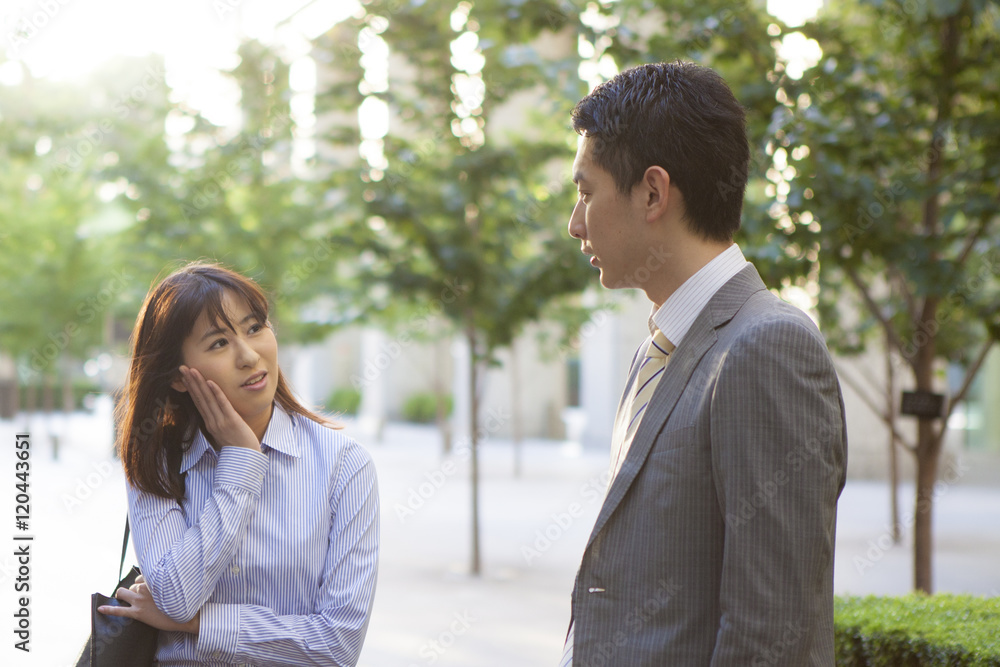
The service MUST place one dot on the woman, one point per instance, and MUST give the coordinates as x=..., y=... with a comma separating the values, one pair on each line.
x=255, y=523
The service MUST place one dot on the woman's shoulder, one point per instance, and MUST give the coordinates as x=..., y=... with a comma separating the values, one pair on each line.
x=327, y=441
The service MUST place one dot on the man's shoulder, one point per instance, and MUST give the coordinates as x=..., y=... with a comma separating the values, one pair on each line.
x=767, y=321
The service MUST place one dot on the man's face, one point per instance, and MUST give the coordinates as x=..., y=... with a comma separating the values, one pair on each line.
x=606, y=222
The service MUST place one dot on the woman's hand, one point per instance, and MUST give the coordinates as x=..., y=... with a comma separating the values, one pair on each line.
x=221, y=419
x=144, y=609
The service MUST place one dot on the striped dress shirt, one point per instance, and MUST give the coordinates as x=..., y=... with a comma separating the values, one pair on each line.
x=278, y=549
x=680, y=310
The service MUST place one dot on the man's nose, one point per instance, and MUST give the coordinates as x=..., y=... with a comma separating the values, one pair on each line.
x=576, y=220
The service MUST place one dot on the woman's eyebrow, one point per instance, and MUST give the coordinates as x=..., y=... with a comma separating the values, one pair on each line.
x=219, y=330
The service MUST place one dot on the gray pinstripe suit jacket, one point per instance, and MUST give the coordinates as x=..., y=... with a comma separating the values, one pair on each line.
x=715, y=542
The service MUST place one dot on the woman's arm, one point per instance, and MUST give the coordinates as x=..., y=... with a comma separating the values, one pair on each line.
x=333, y=634
x=182, y=563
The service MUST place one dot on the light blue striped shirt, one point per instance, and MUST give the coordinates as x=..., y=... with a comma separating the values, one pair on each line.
x=278, y=549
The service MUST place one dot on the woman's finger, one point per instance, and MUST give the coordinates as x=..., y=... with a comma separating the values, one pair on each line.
x=204, y=400
x=222, y=401
x=111, y=610
x=127, y=595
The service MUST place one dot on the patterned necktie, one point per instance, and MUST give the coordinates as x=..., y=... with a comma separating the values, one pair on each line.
x=627, y=421
x=653, y=365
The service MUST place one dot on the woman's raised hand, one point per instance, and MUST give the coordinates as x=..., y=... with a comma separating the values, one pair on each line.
x=221, y=419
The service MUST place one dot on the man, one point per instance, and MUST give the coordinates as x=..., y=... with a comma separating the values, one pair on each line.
x=715, y=542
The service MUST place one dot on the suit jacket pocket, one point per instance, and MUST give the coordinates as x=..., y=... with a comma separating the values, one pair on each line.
x=672, y=438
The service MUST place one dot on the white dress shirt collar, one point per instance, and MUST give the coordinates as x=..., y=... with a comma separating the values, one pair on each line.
x=679, y=311
x=279, y=435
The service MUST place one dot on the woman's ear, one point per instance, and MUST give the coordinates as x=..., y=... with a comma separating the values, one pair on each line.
x=178, y=382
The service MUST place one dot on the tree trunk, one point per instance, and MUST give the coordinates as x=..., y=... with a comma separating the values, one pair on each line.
x=441, y=400
x=515, y=407
x=928, y=452
x=470, y=334
x=68, y=402
x=890, y=407
x=31, y=397
x=48, y=396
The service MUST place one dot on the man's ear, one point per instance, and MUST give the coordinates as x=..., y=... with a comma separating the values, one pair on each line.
x=656, y=192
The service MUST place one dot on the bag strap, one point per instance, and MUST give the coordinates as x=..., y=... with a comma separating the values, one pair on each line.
x=121, y=565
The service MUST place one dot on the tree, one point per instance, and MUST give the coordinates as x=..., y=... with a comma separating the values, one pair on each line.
x=464, y=216
x=231, y=195
x=63, y=273
x=888, y=151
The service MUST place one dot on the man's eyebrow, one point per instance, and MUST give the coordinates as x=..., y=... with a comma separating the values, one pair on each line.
x=578, y=176
x=220, y=330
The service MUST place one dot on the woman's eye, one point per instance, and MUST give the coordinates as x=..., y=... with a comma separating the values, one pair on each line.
x=219, y=343
x=255, y=328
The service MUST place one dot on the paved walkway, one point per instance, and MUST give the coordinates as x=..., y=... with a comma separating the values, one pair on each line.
x=428, y=609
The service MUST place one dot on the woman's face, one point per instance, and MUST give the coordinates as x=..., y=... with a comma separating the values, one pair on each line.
x=244, y=362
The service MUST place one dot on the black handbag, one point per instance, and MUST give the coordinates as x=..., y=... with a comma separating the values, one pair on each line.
x=118, y=641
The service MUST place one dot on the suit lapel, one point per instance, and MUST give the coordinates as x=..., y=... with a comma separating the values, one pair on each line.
x=699, y=339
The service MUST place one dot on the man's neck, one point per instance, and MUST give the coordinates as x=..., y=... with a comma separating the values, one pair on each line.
x=690, y=259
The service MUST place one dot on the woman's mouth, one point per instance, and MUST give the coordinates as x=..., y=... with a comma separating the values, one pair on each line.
x=256, y=382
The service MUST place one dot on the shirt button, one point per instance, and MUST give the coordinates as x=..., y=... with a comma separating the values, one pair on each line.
x=216, y=655
x=235, y=569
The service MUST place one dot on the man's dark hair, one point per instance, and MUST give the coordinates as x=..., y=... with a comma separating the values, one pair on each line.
x=679, y=116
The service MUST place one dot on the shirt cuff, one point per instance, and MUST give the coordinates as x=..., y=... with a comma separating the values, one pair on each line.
x=241, y=467
x=218, y=632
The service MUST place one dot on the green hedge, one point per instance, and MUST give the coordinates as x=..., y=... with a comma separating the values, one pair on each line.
x=344, y=400
x=917, y=631
x=422, y=407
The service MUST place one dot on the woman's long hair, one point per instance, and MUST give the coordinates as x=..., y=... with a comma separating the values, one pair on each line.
x=156, y=423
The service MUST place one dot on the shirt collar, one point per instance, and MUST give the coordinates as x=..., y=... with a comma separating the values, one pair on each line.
x=280, y=436
x=675, y=317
